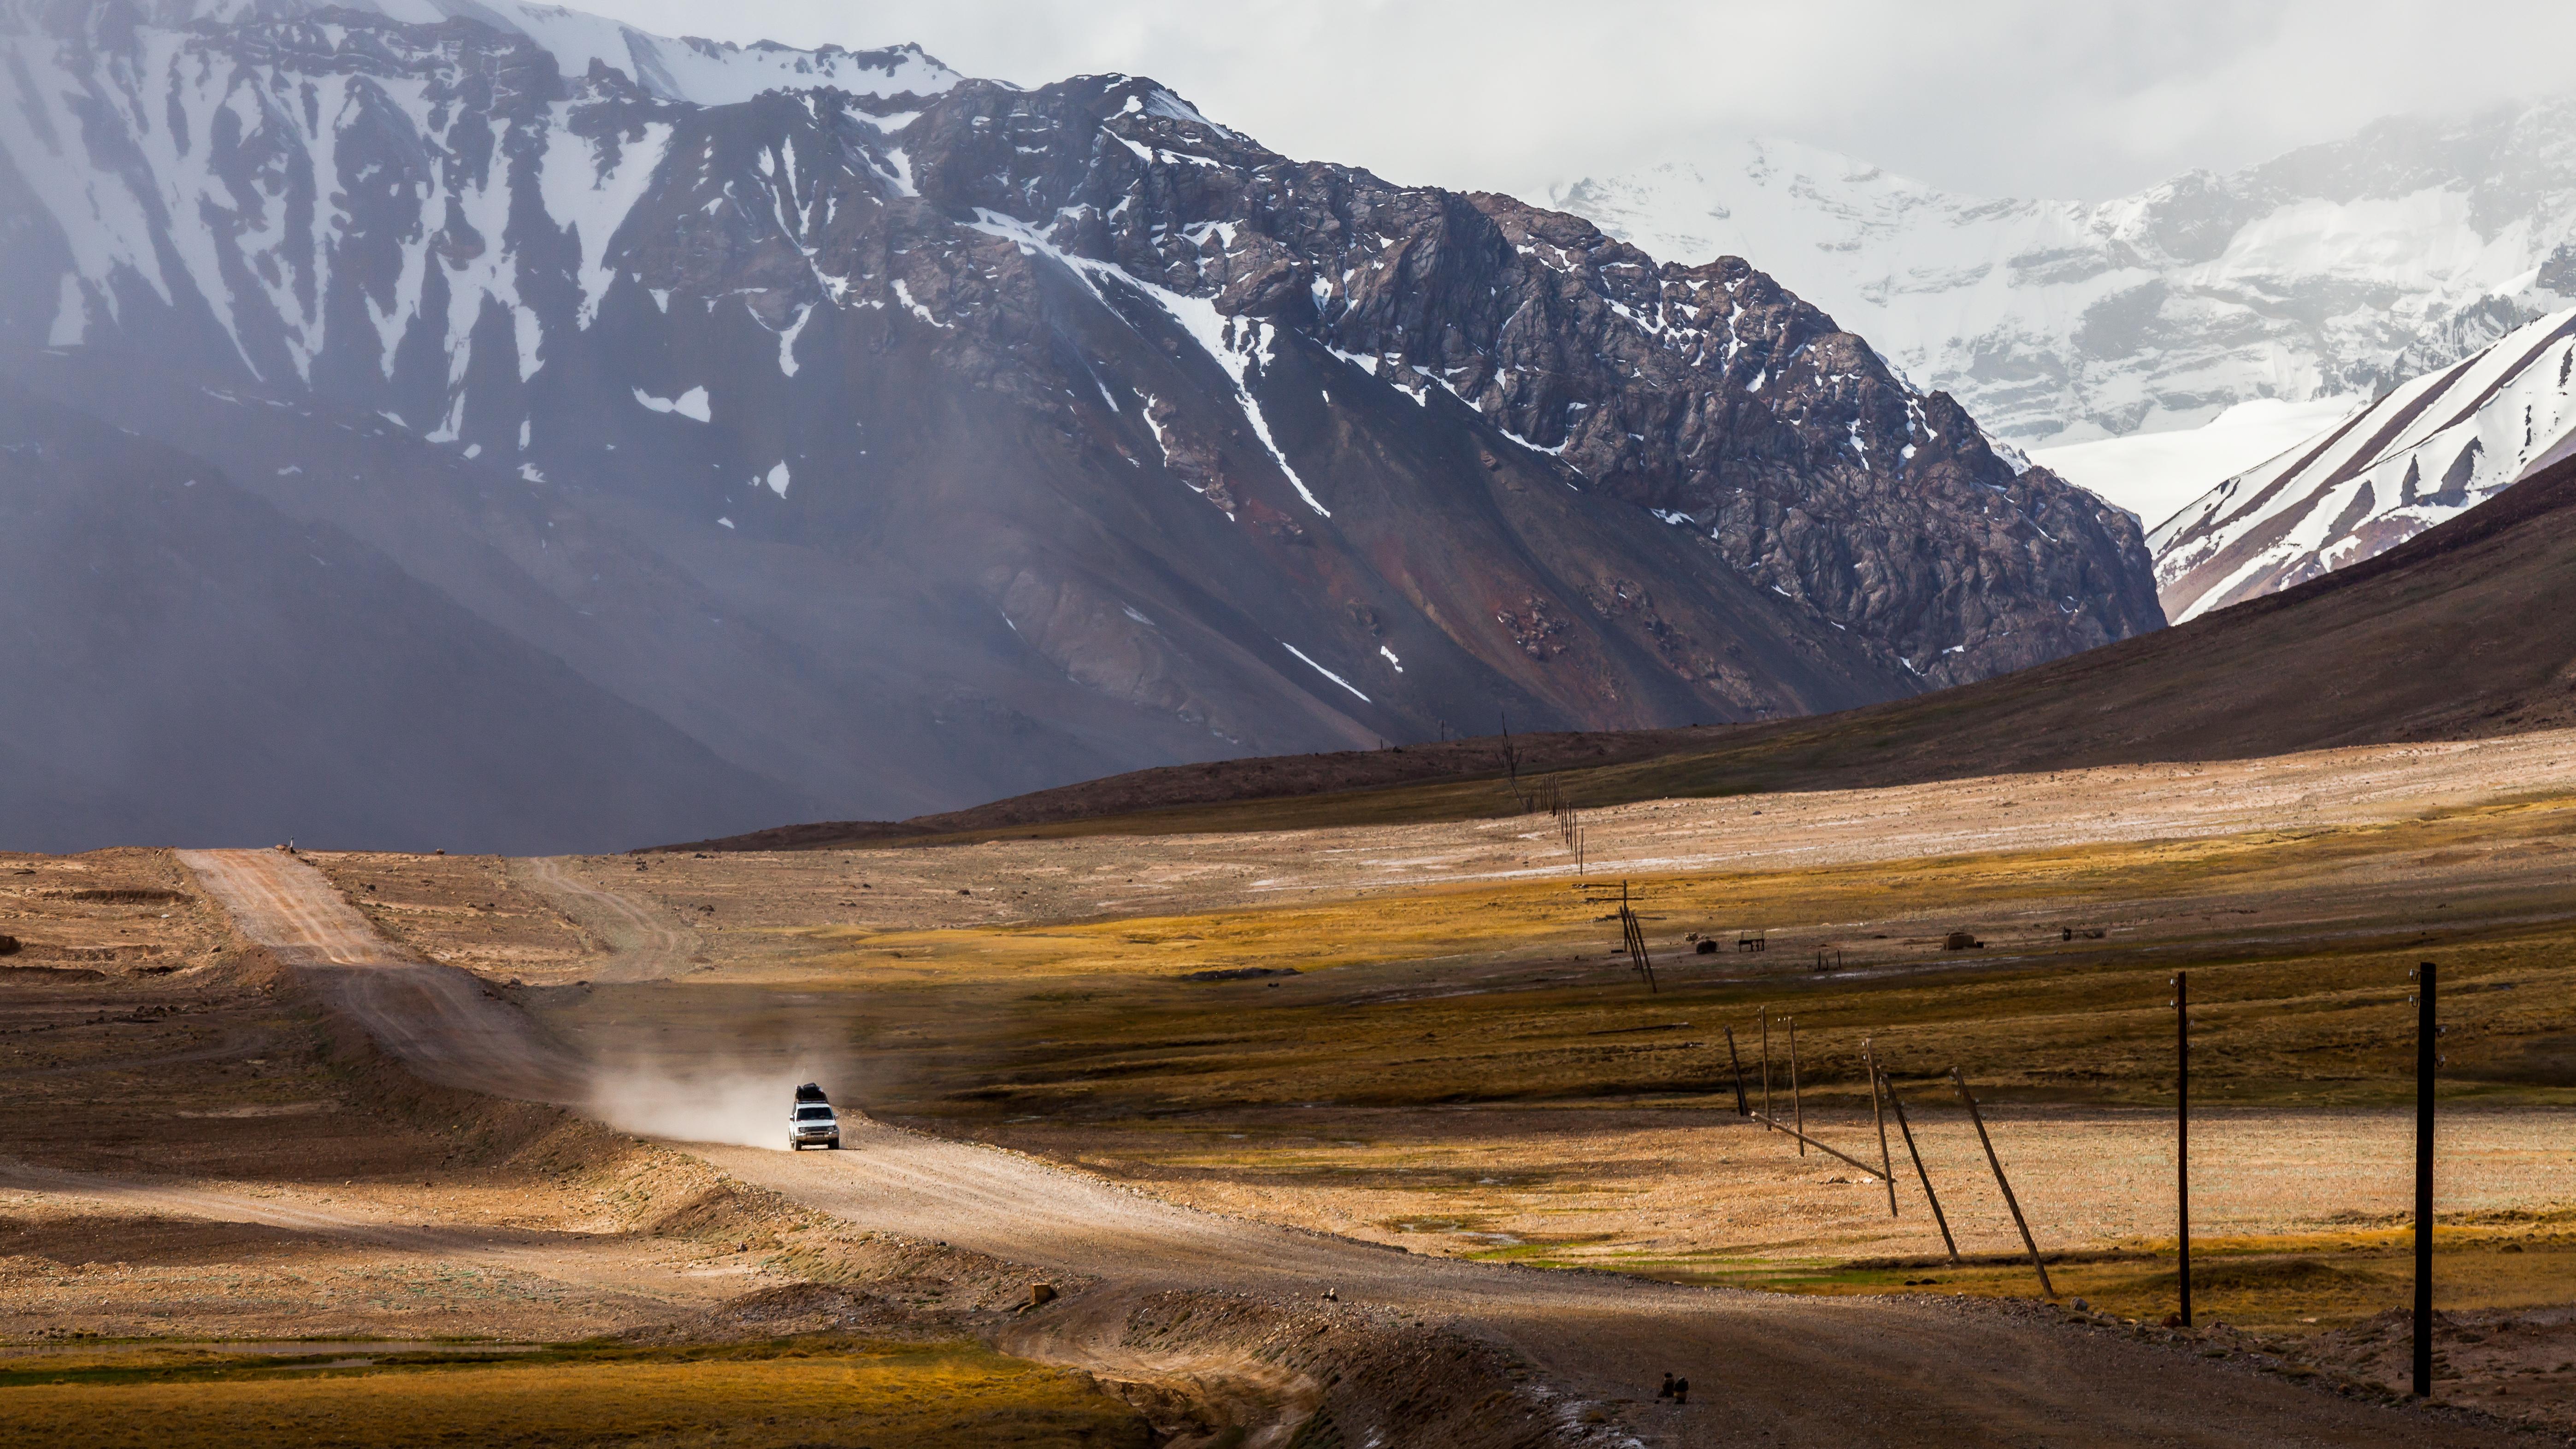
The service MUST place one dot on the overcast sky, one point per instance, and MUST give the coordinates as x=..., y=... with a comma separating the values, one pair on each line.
x=2003, y=97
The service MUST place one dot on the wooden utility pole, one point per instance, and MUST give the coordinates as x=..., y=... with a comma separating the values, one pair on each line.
x=1926, y=1178
x=1741, y=1109
x=2182, y=1141
x=1766, y=1064
x=1634, y=935
x=2427, y=1061
x=1797, y=1104
x=1878, y=1113
x=1997, y=1164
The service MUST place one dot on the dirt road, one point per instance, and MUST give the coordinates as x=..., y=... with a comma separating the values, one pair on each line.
x=286, y=905
x=1776, y=1369
x=443, y=1022
x=644, y=944
x=1772, y=1368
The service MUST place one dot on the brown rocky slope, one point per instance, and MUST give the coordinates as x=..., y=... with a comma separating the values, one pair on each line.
x=2456, y=634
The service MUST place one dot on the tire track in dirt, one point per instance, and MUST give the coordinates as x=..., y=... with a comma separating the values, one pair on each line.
x=282, y=903
x=575, y=1259
x=444, y=1023
x=178, y=1197
x=235, y=1042
x=643, y=944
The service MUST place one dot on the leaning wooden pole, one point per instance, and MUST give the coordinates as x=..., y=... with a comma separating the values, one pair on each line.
x=1920, y=1175
x=1819, y=1146
x=1797, y=1104
x=1636, y=936
x=1997, y=1164
x=1766, y=1063
x=1741, y=1109
x=1878, y=1114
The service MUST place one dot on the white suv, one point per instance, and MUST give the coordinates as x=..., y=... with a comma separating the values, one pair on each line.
x=813, y=1123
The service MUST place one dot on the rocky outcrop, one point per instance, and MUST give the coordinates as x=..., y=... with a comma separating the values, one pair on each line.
x=1709, y=395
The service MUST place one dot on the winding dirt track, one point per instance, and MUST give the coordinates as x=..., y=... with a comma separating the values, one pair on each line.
x=644, y=944
x=1790, y=1371
x=446, y=1023
x=1768, y=1368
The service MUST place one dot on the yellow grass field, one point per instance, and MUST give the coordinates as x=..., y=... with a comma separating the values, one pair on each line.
x=888, y=1395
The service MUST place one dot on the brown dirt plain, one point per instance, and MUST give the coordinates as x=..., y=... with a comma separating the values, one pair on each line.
x=1461, y=1064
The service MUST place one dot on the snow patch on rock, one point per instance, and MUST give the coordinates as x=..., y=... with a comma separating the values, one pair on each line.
x=691, y=404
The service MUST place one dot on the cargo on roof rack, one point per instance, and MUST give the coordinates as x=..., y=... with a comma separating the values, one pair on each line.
x=810, y=1093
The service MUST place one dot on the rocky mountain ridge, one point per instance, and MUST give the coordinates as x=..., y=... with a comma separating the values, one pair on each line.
x=2339, y=269
x=1125, y=408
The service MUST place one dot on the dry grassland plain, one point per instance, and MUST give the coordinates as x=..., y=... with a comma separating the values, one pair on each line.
x=1465, y=1063
x=785, y=1393
x=1462, y=1063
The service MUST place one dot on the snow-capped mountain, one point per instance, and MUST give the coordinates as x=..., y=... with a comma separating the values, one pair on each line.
x=2336, y=269
x=912, y=439
x=2429, y=451
x=220, y=183
x=700, y=72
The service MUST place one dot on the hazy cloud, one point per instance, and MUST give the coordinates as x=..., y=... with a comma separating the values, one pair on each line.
x=2019, y=97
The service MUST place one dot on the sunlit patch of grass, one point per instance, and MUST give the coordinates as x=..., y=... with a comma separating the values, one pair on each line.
x=2287, y=1283
x=1508, y=1000
x=1505, y=990
x=783, y=1393
x=1509, y=991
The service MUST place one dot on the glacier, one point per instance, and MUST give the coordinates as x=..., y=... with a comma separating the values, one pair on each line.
x=2337, y=269
x=2156, y=475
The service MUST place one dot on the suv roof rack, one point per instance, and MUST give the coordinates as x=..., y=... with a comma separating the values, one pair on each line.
x=810, y=1093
